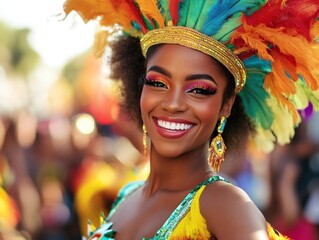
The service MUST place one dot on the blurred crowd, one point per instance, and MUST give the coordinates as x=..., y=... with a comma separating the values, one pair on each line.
x=56, y=174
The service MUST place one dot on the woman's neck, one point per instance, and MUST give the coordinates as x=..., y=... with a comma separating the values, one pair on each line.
x=177, y=174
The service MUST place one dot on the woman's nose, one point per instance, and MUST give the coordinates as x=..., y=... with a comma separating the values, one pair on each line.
x=174, y=101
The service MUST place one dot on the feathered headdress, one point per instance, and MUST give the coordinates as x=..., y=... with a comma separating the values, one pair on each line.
x=271, y=47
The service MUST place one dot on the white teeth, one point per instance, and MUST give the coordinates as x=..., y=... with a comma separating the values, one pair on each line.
x=173, y=125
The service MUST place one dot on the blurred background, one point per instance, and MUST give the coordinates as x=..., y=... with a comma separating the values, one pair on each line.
x=66, y=147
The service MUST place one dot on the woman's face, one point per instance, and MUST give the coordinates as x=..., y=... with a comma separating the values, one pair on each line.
x=181, y=100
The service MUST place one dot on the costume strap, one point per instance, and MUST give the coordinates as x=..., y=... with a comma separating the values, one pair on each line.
x=168, y=227
x=126, y=191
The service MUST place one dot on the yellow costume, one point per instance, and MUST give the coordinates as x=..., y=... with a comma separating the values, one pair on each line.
x=185, y=223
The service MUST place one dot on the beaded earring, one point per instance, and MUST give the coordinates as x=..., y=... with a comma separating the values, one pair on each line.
x=217, y=147
x=144, y=141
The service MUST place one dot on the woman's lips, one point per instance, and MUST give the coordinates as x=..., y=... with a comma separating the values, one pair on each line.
x=172, y=128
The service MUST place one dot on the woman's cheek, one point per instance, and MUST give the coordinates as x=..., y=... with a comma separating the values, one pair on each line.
x=147, y=101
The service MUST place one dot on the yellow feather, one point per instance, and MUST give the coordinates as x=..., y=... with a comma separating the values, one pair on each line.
x=273, y=235
x=283, y=126
x=300, y=99
x=314, y=98
x=193, y=225
x=263, y=140
x=283, y=99
x=149, y=8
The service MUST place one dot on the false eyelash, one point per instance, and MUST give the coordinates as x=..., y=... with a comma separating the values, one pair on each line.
x=153, y=82
x=203, y=89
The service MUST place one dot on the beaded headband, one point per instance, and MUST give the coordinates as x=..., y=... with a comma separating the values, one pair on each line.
x=193, y=39
x=270, y=46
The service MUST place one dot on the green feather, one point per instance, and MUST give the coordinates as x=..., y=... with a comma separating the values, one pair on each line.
x=194, y=13
x=147, y=22
x=156, y=24
x=224, y=33
x=164, y=9
x=183, y=12
x=254, y=96
x=257, y=6
x=203, y=16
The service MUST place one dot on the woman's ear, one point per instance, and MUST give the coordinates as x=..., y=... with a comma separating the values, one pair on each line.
x=227, y=106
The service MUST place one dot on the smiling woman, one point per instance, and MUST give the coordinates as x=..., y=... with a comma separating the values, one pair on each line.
x=187, y=67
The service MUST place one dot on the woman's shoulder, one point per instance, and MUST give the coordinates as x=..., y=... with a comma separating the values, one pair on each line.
x=224, y=196
x=226, y=206
x=223, y=189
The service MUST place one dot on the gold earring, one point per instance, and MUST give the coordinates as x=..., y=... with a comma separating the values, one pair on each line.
x=217, y=147
x=144, y=141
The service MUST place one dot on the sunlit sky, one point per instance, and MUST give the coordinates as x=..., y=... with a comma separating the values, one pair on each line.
x=55, y=39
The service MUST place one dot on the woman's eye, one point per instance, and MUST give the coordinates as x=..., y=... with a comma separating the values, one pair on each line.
x=154, y=83
x=203, y=91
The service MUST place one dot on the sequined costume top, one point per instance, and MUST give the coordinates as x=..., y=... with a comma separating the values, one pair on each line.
x=186, y=221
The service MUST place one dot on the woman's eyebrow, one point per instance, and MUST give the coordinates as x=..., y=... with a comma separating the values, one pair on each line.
x=201, y=76
x=161, y=70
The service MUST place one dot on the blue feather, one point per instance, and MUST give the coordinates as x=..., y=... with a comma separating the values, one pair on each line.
x=136, y=25
x=253, y=95
x=222, y=10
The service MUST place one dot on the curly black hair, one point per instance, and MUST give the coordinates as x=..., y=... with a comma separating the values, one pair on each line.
x=128, y=65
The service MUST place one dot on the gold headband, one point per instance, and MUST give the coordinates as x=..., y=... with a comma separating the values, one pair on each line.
x=191, y=38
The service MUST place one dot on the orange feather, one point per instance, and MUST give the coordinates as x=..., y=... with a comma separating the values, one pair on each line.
x=100, y=43
x=150, y=9
x=257, y=36
x=89, y=9
x=314, y=33
x=129, y=10
x=108, y=12
x=253, y=42
x=271, y=84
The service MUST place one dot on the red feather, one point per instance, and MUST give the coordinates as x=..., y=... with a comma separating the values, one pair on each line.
x=131, y=11
x=173, y=8
x=296, y=16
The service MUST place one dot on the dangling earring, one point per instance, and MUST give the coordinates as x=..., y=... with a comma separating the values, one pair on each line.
x=217, y=147
x=144, y=141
